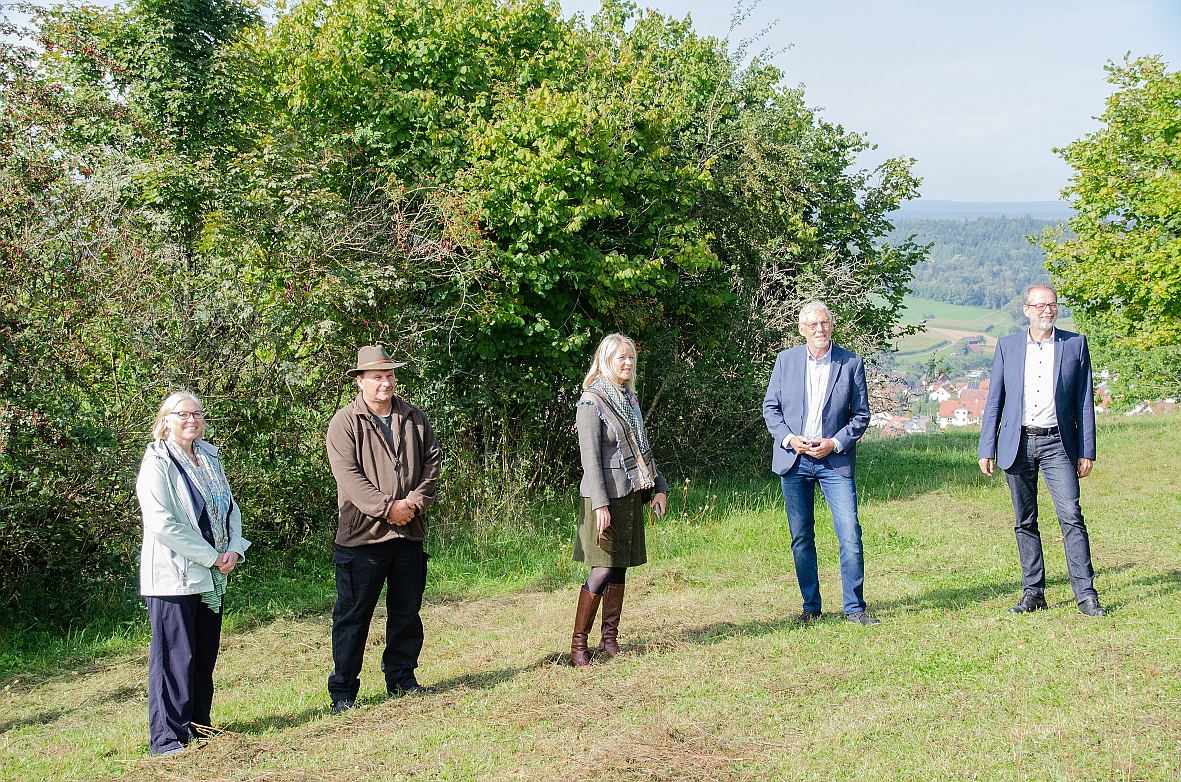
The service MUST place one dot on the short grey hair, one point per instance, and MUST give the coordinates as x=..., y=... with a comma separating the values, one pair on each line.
x=816, y=305
x=1037, y=286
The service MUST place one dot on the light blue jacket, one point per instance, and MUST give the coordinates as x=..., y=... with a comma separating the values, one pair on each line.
x=175, y=558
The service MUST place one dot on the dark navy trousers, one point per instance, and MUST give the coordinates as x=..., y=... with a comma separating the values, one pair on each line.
x=185, y=639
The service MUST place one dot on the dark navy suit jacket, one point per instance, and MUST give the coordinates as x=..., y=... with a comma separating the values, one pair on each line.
x=845, y=414
x=1074, y=398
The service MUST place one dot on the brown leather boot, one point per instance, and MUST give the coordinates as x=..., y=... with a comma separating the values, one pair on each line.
x=584, y=620
x=612, y=605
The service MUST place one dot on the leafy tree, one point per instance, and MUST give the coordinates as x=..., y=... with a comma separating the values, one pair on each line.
x=1122, y=269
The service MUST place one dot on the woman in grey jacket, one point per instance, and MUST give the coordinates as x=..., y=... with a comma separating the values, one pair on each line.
x=618, y=477
x=192, y=541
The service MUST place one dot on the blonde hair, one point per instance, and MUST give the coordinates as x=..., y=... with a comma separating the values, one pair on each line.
x=606, y=351
x=161, y=430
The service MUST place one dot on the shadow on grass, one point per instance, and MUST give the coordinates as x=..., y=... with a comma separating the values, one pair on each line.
x=275, y=722
x=486, y=680
x=44, y=718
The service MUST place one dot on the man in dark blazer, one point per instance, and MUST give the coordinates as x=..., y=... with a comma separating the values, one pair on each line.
x=817, y=408
x=1040, y=416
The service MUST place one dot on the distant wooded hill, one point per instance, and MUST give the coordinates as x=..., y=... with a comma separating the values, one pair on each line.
x=984, y=262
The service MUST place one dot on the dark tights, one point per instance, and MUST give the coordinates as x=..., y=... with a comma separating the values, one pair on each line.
x=600, y=577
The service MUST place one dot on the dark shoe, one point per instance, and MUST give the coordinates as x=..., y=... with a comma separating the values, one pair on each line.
x=1029, y=603
x=408, y=687
x=861, y=618
x=343, y=705
x=1091, y=607
x=612, y=606
x=808, y=616
x=584, y=620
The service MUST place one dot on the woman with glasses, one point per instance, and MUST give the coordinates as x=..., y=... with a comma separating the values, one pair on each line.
x=192, y=541
x=618, y=477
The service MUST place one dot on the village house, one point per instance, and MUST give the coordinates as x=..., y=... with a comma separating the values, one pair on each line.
x=958, y=412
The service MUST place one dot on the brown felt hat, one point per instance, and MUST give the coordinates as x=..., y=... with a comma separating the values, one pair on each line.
x=373, y=357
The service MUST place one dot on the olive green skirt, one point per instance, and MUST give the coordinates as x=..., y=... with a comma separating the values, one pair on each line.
x=625, y=536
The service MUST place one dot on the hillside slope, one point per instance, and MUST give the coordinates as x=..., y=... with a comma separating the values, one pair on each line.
x=717, y=682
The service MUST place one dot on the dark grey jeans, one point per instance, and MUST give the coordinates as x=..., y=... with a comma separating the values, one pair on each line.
x=1045, y=453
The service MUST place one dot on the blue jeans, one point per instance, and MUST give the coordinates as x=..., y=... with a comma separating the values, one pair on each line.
x=799, y=499
x=1046, y=454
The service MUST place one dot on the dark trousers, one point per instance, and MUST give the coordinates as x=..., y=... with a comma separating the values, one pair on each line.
x=799, y=499
x=183, y=651
x=361, y=572
x=1046, y=454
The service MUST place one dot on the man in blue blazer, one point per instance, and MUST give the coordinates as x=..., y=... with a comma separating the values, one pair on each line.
x=1040, y=416
x=817, y=408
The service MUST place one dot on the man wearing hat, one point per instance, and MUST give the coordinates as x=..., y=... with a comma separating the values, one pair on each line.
x=386, y=462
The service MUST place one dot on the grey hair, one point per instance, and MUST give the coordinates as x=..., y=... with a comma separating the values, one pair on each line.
x=1037, y=286
x=161, y=430
x=816, y=305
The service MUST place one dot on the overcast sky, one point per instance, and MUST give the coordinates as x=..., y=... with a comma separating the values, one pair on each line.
x=978, y=92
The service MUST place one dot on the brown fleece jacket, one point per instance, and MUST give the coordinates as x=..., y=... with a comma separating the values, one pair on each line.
x=370, y=477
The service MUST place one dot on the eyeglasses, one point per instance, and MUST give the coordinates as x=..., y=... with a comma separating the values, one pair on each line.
x=817, y=325
x=184, y=415
x=1053, y=306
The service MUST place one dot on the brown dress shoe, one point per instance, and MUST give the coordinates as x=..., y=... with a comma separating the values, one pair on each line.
x=612, y=605
x=584, y=620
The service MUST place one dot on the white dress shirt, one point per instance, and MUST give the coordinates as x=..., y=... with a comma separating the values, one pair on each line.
x=817, y=372
x=1038, y=402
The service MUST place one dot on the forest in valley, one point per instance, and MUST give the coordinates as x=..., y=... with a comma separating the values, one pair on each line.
x=985, y=262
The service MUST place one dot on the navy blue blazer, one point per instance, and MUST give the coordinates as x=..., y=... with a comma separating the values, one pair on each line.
x=1074, y=398
x=845, y=414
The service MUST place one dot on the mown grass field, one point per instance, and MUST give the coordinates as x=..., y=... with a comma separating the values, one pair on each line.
x=966, y=317
x=717, y=682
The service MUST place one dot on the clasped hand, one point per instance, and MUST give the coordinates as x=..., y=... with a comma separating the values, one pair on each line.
x=817, y=449
x=400, y=513
x=226, y=562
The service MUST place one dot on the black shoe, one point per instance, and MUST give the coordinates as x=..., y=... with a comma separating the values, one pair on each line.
x=343, y=705
x=808, y=616
x=861, y=618
x=1091, y=607
x=1029, y=603
x=408, y=687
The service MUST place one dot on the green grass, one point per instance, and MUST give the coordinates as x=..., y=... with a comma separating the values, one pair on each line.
x=716, y=681
x=944, y=314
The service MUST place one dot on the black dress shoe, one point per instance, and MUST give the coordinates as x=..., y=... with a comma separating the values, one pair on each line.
x=808, y=616
x=1091, y=607
x=1028, y=603
x=343, y=705
x=861, y=618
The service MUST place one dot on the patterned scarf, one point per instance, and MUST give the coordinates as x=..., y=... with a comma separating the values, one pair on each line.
x=620, y=411
x=218, y=502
